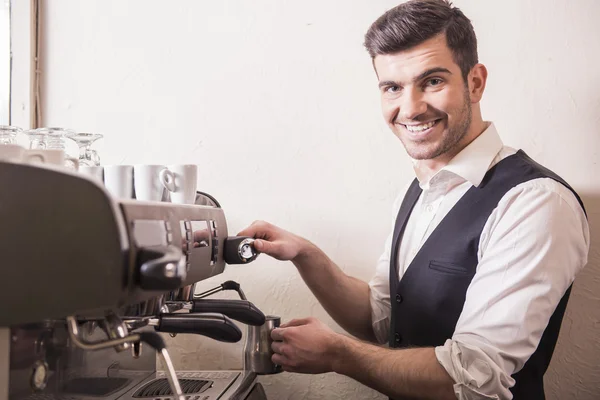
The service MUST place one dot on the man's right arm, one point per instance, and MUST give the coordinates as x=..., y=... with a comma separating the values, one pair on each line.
x=345, y=298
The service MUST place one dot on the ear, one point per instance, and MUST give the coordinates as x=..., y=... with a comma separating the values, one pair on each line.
x=476, y=80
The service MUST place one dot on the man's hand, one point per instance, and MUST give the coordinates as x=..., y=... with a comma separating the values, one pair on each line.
x=274, y=241
x=306, y=346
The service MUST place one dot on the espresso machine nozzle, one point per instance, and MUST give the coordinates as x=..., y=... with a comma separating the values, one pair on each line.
x=120, y=339
x=115, y=329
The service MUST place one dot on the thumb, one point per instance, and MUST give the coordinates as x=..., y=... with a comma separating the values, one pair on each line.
x=274, y=249
x=264, y=246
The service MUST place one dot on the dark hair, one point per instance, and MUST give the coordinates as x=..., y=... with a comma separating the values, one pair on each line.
x=411, y=23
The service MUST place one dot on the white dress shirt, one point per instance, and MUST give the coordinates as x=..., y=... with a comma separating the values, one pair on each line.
x=531, y=247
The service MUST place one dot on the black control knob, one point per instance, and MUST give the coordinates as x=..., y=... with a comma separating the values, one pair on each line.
x=239, y=250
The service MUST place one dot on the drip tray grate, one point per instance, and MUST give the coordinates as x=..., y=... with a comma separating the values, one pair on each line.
x=160, y=387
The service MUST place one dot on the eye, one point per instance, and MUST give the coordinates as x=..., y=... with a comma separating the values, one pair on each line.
x=392, y=89
x=434, y=82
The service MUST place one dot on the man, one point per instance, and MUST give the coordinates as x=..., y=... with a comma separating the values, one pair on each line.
x=475, y=277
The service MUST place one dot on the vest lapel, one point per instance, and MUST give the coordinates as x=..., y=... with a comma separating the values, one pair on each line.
x=410, y=199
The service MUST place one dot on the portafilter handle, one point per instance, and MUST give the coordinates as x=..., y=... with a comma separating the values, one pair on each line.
x=240, y=310
x=214, y=326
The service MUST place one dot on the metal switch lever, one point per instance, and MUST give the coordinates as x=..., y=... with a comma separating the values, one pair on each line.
x=228, y=285
x=161, y=268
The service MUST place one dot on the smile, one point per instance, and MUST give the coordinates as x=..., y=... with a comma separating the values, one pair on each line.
x=420, y=128
x=421, y=131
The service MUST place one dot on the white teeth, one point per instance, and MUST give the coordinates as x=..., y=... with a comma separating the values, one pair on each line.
x=419, y=128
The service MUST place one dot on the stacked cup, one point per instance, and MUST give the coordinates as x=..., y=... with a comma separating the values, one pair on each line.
x=148, y=182
x=14, y=153
x=179, y=181
x=11, y=151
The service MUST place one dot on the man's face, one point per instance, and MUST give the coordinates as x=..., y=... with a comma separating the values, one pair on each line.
x=425, y=100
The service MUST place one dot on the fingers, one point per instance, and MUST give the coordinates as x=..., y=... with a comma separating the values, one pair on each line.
x=201, y=235
x=256, y=229
x=297, y=322
x=277, y=334
x=282, y=360
x=280, y=332
x=249, y=231
x=259, y=230
x=277, y=347
x=272, y=240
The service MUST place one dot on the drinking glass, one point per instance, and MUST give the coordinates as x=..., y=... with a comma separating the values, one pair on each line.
x=8, y=134
x=55, y=137
x=52, y=138
x=87, y=155
x=37, y=140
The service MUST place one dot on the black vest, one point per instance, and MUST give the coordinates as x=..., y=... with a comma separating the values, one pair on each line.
x=428, y=300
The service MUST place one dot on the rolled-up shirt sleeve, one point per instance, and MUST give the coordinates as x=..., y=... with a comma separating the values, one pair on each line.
x=379, y=287
x=532, y=247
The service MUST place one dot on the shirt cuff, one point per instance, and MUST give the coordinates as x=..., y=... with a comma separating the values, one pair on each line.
x=380, y=320
x=475, y=374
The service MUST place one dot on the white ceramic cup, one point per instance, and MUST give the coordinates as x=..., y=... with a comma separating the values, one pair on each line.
x=20, y=155
x=96, y=173
x=12, y=153
x=150, y=181
x=182, y=188
x=118, y=180
x=47, y=156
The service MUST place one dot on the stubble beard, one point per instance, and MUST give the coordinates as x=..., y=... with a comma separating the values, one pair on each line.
x=451, y=139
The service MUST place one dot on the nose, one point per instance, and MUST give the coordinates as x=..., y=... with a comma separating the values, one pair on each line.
x=412, y=105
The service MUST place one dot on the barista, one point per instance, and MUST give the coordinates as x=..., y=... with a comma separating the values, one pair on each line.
x=471, y=287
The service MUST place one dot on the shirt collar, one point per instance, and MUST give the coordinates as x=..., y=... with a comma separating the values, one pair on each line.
x=473, y=161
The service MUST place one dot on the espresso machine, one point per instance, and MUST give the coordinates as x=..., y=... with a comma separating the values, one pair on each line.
x=89, y=282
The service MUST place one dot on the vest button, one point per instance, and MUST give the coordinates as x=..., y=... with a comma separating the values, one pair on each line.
x=397, y=337
x=399, y=299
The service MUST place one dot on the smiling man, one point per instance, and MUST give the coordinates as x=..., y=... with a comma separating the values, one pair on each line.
x=470, y=291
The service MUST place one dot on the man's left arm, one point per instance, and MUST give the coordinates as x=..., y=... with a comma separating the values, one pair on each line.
x=309, y=346
x=398, y=373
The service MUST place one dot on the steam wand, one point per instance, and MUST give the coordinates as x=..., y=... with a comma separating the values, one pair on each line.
x=228, y=285
x=153, y=339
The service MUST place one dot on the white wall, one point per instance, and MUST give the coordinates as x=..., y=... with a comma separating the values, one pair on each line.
x=4, y=62
x=277, y=102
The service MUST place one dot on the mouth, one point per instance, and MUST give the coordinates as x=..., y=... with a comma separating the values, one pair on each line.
x=420, y=131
